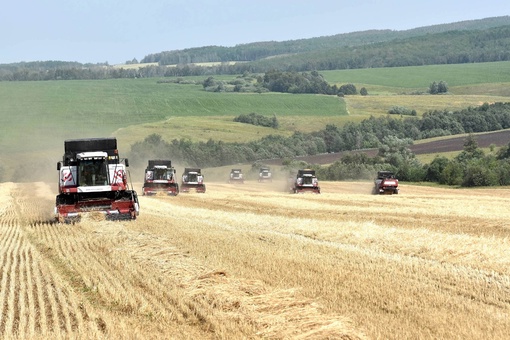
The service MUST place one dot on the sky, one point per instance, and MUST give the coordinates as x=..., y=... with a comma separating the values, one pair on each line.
x=116, y=31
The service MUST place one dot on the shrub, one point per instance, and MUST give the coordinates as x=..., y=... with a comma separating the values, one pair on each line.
x=437, y=88
x=401, y=110
x=348, y=89
x=259, y=120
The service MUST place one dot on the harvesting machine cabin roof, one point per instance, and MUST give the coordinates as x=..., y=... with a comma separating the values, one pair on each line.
x=153, y=163
x=192, y=170
x=385, y=174
x=79, y=148
x=306, y=172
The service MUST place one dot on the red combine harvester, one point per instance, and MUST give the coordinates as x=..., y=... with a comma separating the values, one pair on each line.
x=192, y=178
x=306, y=181
x=385, y=183
x=93, y=179
x=160, y=177
x=236, y=176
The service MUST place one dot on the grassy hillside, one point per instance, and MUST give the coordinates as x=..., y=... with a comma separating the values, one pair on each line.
x=260, y=50
x=469, y=85
x=418, y=78
x=35, y=117
x=44, y=110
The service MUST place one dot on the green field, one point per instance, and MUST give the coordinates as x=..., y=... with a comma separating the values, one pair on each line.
x=40, y=111
x=35, y=117
x=407, y=79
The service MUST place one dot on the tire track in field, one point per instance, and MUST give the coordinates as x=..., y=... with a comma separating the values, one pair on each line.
x=96, y=269
x=84, y=255
x=34, y=302
x=471, y=281
x=224, y=297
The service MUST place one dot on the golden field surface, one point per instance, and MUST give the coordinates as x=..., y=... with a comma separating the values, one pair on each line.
x=254, y=261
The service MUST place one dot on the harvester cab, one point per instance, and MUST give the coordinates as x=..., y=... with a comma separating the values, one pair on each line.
x=386, y=183
x=265, y=175
x=92, y=179
x=236, y=176
x=306, y=181
x=160, y=177
x=92, y=168
x=192, y=178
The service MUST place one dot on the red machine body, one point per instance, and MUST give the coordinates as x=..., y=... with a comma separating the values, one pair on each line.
x=386, y=183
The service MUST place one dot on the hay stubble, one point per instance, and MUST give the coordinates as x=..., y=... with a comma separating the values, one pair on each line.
x=251, y=261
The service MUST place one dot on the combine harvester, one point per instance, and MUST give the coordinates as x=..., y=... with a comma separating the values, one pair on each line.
x=160, y=178
x=93, y=179
x=306, y=181
x=192, y=178
x=236, y=176
x=265, y=175
x=385, y=183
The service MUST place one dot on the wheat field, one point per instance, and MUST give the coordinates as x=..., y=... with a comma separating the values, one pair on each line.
x=253, y=261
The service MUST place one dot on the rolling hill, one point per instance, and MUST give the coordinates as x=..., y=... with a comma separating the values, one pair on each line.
x=286, y=49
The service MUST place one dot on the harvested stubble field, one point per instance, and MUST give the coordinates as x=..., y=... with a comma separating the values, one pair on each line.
x=252, y=261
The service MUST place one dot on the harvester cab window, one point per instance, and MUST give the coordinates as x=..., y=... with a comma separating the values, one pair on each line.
x=149, y=175
x=161, y=174
x=385, y=175
x=169, y=174
x=93, y=172
x=192, y=178
x=307, y=180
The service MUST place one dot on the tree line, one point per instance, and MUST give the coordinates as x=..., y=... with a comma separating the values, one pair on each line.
x=326, y=53
x=391, y=136
x=285, y=82
x=453, y=47
x=263, y=50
